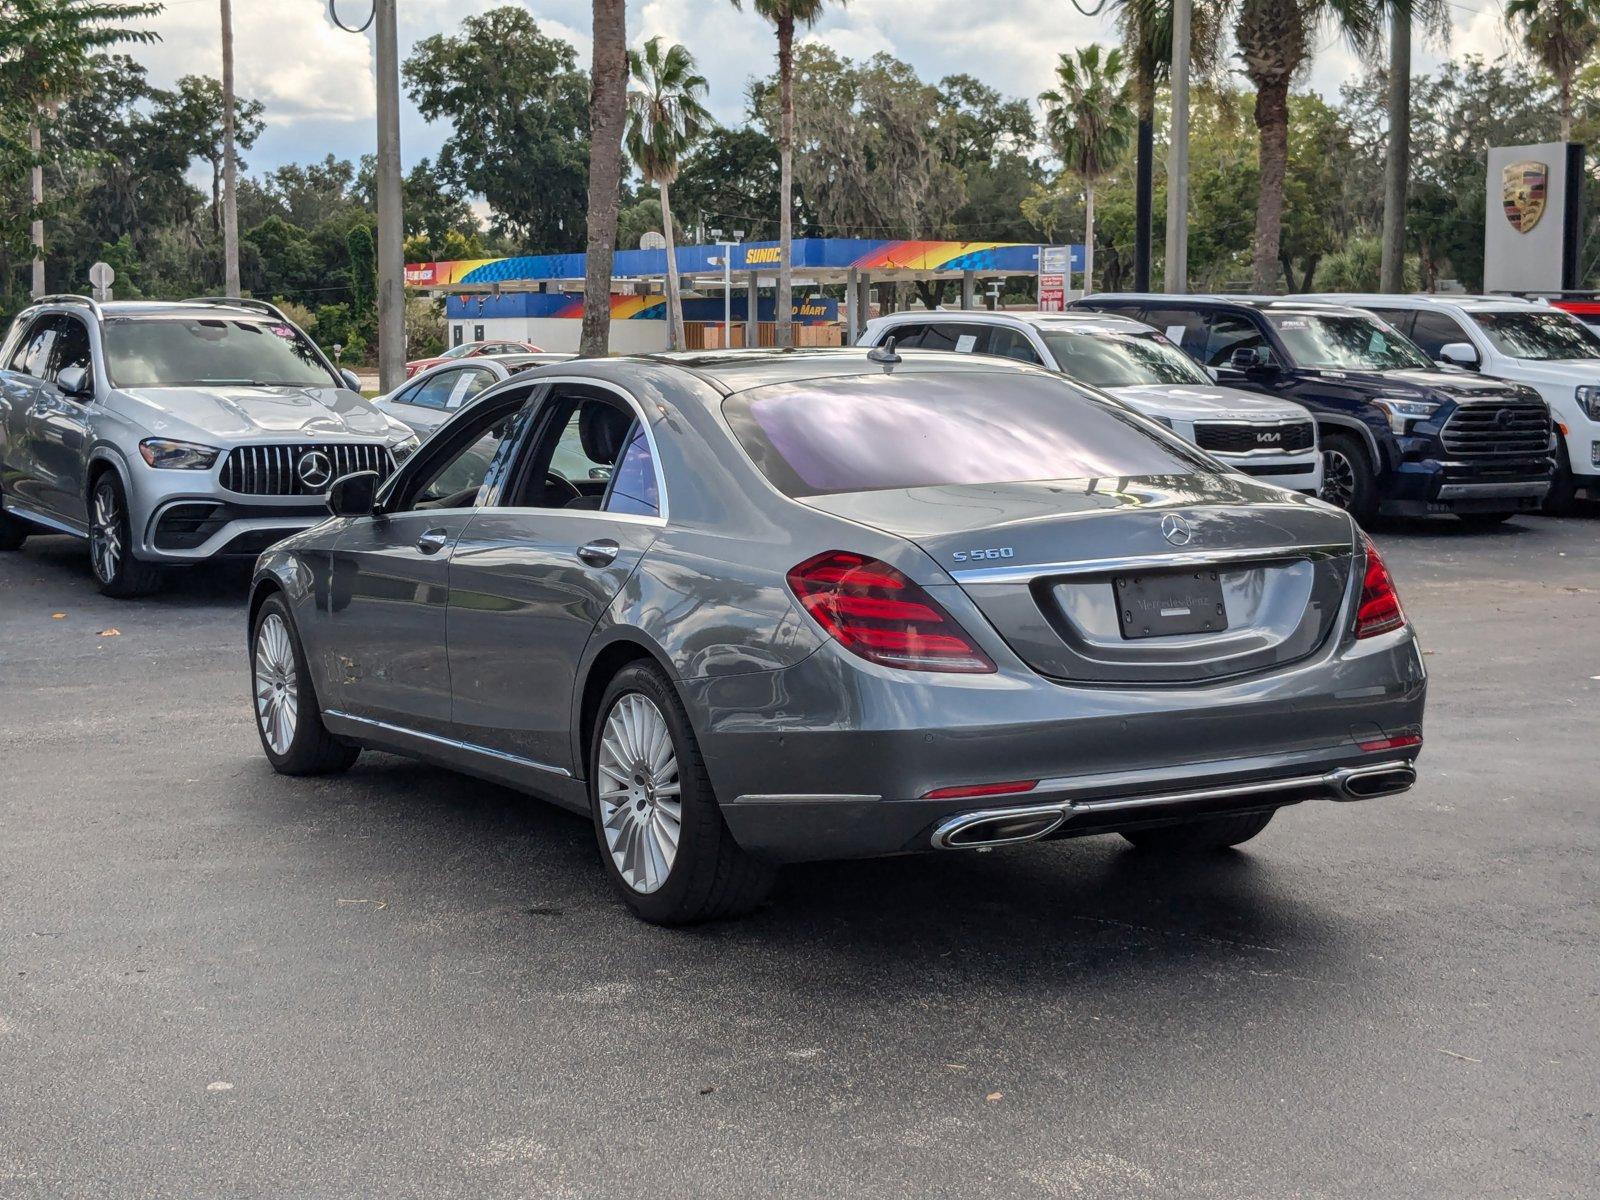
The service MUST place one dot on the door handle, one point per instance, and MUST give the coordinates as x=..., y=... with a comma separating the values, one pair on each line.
x=433, y=541
x=599, y=553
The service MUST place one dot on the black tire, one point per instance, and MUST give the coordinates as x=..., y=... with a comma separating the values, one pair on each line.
x=311, y=750
x=1198, y=837
x=1562, y=498
x=13, y=531
x=111, y=558
x=710, y=876
x=1348, y=481
x=1484, y=520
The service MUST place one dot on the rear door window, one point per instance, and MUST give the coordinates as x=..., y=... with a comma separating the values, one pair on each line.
x=1185, y=330
x=436, y=390
x=1229, y=332
x=1014, y=344
x=921, y=429
x=1433, y=331
x=32, y=356
x=907, y=336
x=957, y=336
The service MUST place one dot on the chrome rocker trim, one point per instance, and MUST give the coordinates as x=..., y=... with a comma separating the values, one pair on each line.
x=438, y=740
x=1038, y=820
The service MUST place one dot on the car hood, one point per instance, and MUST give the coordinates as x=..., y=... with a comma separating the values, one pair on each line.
x=1561, y=370
x=249, y=413
x=1458, y=385
x=1194, y=402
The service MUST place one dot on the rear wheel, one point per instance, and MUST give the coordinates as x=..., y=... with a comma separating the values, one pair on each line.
x=661, y=834
x=118, y=572
x=288, y=717
x=1196, y=837
x=1348, y=481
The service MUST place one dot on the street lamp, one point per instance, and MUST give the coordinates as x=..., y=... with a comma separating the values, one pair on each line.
x=727, y=282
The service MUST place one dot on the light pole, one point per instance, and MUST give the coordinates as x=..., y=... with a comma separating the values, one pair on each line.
x=230, y=163
x=1177, y=280
x=727, y=282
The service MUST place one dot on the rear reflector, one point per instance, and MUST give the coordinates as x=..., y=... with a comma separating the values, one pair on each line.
x=982, y=789
x=1380, y=603
x=1399, y=742
x=874, y=611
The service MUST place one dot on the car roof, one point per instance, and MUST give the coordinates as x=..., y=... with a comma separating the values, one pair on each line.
x=1421, y=301
x=1261, y=303
x=112, y=309
x=984, y=316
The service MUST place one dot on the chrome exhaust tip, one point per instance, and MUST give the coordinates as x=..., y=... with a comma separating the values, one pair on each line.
x=983, y=830
x=1366, y=783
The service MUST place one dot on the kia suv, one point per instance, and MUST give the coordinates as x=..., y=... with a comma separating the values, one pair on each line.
x=165, y=433
x=1399, y=435
x=1273, y=440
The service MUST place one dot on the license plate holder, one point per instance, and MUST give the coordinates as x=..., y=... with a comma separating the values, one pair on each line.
x=1169, y=603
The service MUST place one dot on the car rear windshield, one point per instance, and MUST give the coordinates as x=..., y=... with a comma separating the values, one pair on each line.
x=1540, y=335
x=1107, y=359
x=868, y=433
x=210, y=351
x=1334, y=342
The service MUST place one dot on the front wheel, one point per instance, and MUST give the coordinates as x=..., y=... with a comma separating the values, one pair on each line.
x=1197, y=837
x=1348, y=481
x=661, y=834
x=288, y=717
x=117, y=571
x=1562, y=498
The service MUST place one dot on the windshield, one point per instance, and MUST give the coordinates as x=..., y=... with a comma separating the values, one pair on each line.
x=458, y=351
x=1344, y=343
x=200, y=351
x=1110, y=360
x=1541, y=335
x=867, y=433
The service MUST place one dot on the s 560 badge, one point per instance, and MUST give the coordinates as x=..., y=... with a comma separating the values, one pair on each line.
x=980, y=555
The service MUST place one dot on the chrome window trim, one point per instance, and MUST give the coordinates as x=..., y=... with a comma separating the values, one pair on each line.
x=1144, y=562
x=452, y=743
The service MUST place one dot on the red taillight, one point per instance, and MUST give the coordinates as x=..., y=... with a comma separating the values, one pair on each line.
x=1380, y=603
x=873, y=610
x=1400, y=741
x=982, y=789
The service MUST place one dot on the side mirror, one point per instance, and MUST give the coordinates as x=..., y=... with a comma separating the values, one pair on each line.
x=353, y=495
x=75, y=381
x=351, y=379
x=1249, y=358
x=1214, y=373
x=1459, y=354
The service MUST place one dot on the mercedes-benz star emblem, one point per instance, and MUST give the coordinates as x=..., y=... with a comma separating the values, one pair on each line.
x=1176, y=530
x=315, y=470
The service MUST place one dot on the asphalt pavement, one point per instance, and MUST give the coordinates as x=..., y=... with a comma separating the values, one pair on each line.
x=402, y=982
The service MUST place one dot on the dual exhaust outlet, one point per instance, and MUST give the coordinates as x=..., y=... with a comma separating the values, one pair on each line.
x=1010, y=826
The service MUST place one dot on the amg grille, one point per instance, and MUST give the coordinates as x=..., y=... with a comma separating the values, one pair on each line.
x=1499, y=427
x=1241, y=437
x=279, y=471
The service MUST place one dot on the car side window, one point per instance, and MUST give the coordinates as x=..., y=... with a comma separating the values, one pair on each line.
x=962, y=338
x=907, y=336
x=470, y=384
x=1400, y=318
x=33, y=354
x=456, y=481
x=633, y=483
x=574, y=458
x=71, y=349
x=435, y=391
x=1186, y=330
x=1014, y=344
x=1435, y=330
x=1230, y=332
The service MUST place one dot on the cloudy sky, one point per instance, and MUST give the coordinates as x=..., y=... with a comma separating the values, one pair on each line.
x=316, y=80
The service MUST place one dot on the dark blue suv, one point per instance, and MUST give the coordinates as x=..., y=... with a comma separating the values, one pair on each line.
x=1399, y=434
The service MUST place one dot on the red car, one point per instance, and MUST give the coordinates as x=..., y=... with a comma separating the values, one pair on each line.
x=471, y=350
x=1587, y=311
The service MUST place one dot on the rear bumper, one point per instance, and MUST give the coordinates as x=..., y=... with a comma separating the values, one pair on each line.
x=834, y=758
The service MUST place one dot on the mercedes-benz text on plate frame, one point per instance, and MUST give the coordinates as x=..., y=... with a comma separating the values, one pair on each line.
x=783, y=607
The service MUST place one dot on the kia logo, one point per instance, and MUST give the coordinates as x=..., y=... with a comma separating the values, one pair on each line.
x=1176, y=530
x=314, y=469
x=1269, y=437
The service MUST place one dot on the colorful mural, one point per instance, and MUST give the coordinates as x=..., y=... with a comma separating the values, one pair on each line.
x=809, y=310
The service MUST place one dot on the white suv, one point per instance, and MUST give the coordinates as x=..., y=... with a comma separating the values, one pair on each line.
x=1523, y=340
x=1271, y=439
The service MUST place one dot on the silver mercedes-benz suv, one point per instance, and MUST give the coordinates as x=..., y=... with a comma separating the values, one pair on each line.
x=169, y=432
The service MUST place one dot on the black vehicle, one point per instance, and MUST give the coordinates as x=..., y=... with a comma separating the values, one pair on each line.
x=1399, y=436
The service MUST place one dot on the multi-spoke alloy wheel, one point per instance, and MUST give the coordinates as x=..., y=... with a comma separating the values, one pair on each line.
x=277, y=684
x=1338, y=479
x=105, y=540
x=641, y=808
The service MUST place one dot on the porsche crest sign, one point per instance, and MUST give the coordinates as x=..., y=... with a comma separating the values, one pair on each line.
x=1524, y=187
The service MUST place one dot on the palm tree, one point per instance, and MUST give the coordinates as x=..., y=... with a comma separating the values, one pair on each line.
x=1402, y=15
x=1086, y=120
x=1275, y=41
x=1560, y=35
x=784, y=15
x=665, y=116
x=608, y=85
x=44, y=47
x=1146, y=27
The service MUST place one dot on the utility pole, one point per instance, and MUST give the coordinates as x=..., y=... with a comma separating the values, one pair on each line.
x=230, y=163
x=36, y=229
x=1392, y=267
x=391, y=214
x=1178, y=155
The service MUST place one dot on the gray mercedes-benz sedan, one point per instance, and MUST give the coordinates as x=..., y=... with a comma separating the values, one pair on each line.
x=748, y=608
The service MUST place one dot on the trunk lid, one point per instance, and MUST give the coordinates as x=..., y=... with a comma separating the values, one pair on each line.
x=1044, y=562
